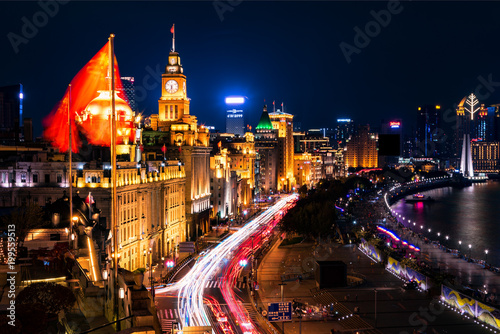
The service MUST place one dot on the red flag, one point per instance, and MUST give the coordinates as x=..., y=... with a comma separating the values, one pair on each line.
x=84, y=88
x=172, y=29
x=164, y=149
x=219, y=144
x=89, y=199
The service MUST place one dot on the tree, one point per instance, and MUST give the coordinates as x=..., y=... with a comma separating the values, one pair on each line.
x=25, y=218
x=53, y=297
x=303, y=191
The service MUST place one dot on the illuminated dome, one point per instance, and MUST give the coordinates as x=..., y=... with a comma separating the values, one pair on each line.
x=101, y=106
x=95, y=120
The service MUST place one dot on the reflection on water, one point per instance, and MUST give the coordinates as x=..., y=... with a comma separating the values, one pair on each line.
x=470, y=214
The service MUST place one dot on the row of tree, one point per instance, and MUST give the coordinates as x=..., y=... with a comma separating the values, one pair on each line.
x=314, y=215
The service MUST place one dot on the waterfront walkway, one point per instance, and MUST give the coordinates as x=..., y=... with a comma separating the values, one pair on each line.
x=397, y=311
x=466, y=273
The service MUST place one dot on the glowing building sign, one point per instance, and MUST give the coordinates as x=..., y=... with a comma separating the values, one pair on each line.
x=343, y=120
x=395, y=125
x=235, y=100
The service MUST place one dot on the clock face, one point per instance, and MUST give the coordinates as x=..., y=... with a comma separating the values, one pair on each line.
x=172, y=61
x=171, y=86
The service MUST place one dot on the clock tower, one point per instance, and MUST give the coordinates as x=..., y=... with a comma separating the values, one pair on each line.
x=176, y=133
x=173, y=104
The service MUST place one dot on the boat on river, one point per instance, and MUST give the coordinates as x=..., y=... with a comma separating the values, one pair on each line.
x=419, y=198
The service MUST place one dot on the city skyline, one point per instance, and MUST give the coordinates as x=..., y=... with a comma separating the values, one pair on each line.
x=225, y=52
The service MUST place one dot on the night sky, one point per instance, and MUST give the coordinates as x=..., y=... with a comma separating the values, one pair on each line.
x=429, y=53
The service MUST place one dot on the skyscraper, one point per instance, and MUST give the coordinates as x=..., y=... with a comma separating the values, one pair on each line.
x=11, y=114
x=361, y=149
x=129, y=90
x=427, y=130
x=235, y=122
x=343, y=132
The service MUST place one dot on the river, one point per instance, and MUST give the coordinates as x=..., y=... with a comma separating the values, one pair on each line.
x=470, y=215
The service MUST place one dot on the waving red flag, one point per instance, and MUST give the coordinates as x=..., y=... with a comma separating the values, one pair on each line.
x=84, y=88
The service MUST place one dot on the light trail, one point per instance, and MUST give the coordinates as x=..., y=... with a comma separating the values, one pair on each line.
x=190, y=288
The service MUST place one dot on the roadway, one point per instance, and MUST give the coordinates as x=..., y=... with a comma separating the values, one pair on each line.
x=211, y=291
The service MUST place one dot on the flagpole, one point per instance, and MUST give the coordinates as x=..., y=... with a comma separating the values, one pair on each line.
x=70, y=150
x=173, y=38
x=114, y=202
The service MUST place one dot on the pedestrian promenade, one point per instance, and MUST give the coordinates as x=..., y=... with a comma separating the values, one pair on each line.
x=397, y=311
x=466, y=273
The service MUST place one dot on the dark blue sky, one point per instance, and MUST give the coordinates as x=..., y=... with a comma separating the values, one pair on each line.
x=429, y=53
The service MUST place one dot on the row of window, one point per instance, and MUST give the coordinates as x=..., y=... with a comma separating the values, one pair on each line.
x=10, y=177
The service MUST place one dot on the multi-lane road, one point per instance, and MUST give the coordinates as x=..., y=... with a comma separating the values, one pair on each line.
x=212, y=291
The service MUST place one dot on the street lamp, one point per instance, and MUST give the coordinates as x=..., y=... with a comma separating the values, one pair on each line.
x=485, y=256
x=282, y=285
x=162, y=265
x=252, y=255
x=151, y=282
x=470, y=251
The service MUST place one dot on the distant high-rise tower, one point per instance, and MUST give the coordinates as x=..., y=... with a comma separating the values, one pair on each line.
x=361, y=149
x=427, y=130
x=11, y=114
x=235, y=122
x=28, y=130
x=343, y=132
x=129, y=90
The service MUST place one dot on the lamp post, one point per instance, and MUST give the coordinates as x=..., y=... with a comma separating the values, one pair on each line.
x=470, y=251
x=162, y=265
x=485, y=256
x=460, y=246
x=151, y=281
x=252, y=255
x=282, y=285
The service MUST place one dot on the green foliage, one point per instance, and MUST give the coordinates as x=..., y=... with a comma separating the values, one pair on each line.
x=53, y=297
x=292, y=241
x=358, y=181
x=303, y=191
x=315, y=214
x=139, y=271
